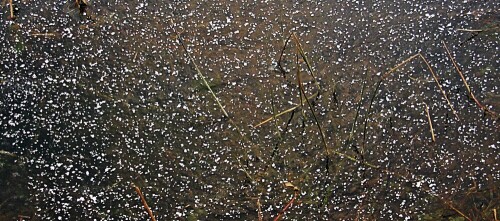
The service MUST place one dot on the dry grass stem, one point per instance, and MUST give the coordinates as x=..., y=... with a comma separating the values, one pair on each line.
x=6, y=153
x=304, y=57
x=51, y=34
x=282, y=212
x=471, y=95
x=285, y=111
x=353, y=128
x=144, y=203
x=309, y=67
x=202, y=77
x=11, y=7
x=470, y=30
x=430, y=122
x=281, y=55
x=303, y=93
x=387, y=74
x=458, y=211
x=439, y=86
x=259, y=209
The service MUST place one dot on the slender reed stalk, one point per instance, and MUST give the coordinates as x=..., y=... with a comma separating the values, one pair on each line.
x=387, y=74
x=450, y=204
x=439, y=86
x=45, y=34
x=282, y=136
x=144, y=203
x=471, y=95
x=304, y=57
x=259, y=209
x=281, y=56
x=285, y=111
x=430, y=122
x=377, y=87
x=288, y=205
x=470, y=30
x=303, y=93
x=202, y=77
x=7, y=153
x=11, y=7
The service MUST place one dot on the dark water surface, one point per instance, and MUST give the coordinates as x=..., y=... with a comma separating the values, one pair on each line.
x=93, y=103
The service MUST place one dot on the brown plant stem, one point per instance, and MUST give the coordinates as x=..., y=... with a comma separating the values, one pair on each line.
x=288, y=205
x=471, y=95
x=259, y=209
x=144, y=203
x=285, y=111
x=450, y=204
x=387, y=74
x=430, y=123
x=11, y=7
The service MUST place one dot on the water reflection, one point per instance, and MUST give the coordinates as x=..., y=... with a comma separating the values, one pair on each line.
x=92, y=103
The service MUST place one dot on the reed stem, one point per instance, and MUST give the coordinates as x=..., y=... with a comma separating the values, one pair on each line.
x=144, y=203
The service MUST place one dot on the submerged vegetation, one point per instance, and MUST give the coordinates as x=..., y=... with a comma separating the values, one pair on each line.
x=198, y=110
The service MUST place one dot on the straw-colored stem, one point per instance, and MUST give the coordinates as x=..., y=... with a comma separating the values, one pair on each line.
x=6, y=153
x=202, y=77
x=434, y=76
x=457, y=210
x=398, y=66
x=282, y=136
x=377, y=86
x=259, y=209
x=144, y=203
x=299, y=83
x=471, y=95
x=11, y=10
x=470, y=30
x=285, y=111
x=44, y=34
x=439, y=85
x=430, y=122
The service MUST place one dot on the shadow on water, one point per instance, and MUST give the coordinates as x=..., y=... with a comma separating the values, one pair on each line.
x=98, y=95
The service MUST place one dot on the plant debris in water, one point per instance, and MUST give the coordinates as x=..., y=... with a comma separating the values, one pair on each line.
x=96, y=96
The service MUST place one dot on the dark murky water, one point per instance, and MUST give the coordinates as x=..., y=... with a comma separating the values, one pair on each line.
x=90, y=104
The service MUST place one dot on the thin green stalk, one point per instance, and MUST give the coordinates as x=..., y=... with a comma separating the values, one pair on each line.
x=200, y=75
